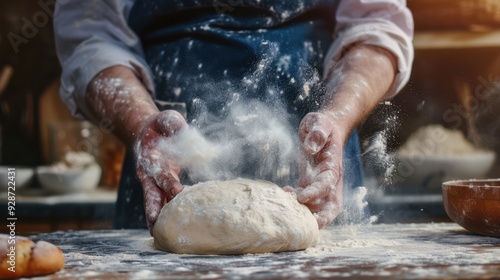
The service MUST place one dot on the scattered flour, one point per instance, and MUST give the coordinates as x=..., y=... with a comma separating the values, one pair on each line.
x=332, y=241
x=379, y=161
x=225, y=149
x=401, y=251
x=142, y=274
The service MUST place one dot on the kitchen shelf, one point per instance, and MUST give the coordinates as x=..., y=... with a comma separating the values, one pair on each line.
x=36, y=211
x=456, y=39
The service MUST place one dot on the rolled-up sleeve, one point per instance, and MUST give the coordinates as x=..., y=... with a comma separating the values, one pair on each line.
x=384, y=23
x=90, y=37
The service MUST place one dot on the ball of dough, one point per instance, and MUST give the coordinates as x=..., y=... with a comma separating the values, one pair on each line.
x=234, y=217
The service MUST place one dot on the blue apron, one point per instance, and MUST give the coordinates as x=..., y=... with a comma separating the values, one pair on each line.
x=268, y=50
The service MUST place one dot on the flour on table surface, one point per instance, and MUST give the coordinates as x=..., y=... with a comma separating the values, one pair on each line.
x=399, y=251
x=346, y=238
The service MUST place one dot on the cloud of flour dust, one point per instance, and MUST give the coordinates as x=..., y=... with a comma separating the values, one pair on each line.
x=246, y=137
x=254, y=140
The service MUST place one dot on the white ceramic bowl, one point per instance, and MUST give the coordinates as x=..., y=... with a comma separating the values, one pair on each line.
x=428, y=172
x=23, y=176
x=69, y=180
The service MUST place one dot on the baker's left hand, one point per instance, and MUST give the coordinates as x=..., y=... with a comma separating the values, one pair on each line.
x=320, y=184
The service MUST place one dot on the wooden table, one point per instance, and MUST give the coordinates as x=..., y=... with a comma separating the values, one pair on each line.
x=384, y=251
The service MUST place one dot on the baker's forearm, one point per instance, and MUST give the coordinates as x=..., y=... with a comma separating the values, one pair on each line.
x=355, y=86
x=117, y=95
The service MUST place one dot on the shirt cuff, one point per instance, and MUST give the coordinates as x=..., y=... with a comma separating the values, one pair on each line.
x=381, y=35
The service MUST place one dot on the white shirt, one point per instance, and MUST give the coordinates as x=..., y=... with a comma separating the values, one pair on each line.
x=93, y=35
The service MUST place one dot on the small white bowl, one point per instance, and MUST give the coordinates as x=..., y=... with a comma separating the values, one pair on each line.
x=69, y=180
x=22, y=176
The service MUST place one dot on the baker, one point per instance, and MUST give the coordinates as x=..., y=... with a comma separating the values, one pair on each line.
x=330, y=62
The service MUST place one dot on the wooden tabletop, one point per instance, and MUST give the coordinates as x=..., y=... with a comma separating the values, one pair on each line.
x=383, y=251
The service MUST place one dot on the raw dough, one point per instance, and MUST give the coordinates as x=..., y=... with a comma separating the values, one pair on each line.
x=235, y=217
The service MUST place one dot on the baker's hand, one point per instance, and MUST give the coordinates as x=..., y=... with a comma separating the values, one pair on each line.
x=157, y=172
x=320, y=184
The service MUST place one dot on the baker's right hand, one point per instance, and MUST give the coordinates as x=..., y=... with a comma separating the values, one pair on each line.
x=157, y=172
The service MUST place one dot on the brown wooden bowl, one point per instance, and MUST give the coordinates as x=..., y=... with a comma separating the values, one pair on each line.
x=474, y=205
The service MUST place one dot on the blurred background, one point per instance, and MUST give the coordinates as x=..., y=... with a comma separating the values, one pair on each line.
x=454, y=87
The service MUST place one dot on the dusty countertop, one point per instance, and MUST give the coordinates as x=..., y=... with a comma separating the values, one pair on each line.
x=388, y=251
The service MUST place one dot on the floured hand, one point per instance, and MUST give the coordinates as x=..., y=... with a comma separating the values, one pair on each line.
x=157, y=172
x=320, y=184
